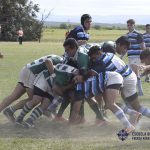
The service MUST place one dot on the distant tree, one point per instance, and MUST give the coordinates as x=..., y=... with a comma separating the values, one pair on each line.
x=19, y=13
x=63, y=26
x=140, y=27
x=97, y=27
x=40, y=26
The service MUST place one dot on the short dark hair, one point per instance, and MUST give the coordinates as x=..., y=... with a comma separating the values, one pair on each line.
x=123, y=40
x=144, y=54
x=93, y=50
x=71, y=42
x=132, y=21
x=147, y=25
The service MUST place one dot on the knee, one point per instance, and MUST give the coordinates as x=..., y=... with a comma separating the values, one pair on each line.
x=33, y=102
x=109, y=105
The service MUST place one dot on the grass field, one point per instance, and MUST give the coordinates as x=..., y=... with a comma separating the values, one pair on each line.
x=49, y=135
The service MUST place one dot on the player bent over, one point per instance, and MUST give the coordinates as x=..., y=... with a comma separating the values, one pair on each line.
x=108, y=84
x=25, y=84
x=42, y=93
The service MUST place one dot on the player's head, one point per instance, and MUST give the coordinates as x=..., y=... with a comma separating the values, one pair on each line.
x=70, y=46
x=131, y=24
x=86, y=20
x=94, y=53
x=147, y=27
x=109, y=47
x=145, y=57
x=122, y=45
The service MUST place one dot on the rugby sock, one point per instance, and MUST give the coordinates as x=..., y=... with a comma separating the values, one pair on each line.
x=36, y=113
x=121, y=116
x=144, y=111
x=97, y=111
x=12, y=109
x=25, y=110
x=139, y=85
x=127, y=110
x=62, y=108
x=54, y=104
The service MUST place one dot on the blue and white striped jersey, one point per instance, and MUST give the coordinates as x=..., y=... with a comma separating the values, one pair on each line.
x=78, y=33
x=93, y=86
x=146, y=38
x=111, y=62
x=135, y=39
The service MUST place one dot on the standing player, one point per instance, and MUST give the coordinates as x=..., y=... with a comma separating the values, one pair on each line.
x=136, y=47
x=80, y=33
x=146, y=37
x=20, y=35
x=42, y=93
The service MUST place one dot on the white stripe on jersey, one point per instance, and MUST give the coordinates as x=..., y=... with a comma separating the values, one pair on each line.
x=65, y=68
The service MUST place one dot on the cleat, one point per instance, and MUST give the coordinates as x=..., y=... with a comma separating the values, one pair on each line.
x=29, y=123
x=79, y=120
x=60, y=119
x=9, y=114
x=134, y=119
x=130, y=129
x=19, y=121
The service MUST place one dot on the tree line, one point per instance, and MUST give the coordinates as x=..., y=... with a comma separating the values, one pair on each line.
x=19, y=13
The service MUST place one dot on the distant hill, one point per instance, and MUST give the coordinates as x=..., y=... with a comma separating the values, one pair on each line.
x=103, y=20
x=57, y=24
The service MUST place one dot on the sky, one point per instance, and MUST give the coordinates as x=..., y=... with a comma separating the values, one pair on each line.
x=102, y=11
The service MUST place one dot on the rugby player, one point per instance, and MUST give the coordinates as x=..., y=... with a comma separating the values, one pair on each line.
x=25, y=84
x=136, y=47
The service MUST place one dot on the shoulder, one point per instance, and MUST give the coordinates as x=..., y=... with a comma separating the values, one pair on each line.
x=78, y=28
x=82, y=51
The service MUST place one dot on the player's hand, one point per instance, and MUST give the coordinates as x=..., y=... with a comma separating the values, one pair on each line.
x=78, y=78
x=136, y=67
x=144, y=68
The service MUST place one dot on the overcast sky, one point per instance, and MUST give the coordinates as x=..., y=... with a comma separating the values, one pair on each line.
x=102, y=8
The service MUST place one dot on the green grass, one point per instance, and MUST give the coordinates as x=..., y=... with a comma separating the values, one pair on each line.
x=49, y=135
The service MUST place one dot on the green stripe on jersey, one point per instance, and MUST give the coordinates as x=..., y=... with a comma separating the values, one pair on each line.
x=63, y=74
x=48, y=77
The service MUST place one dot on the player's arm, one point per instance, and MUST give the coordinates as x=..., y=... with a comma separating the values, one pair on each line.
x=142, y=45
x=141, y=41
x=145, y=69
x=49, y=65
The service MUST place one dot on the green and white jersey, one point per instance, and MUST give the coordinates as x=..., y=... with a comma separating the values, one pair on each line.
x=39, y=65
x=80, y=59
x=64, y=74
x=49, y=78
